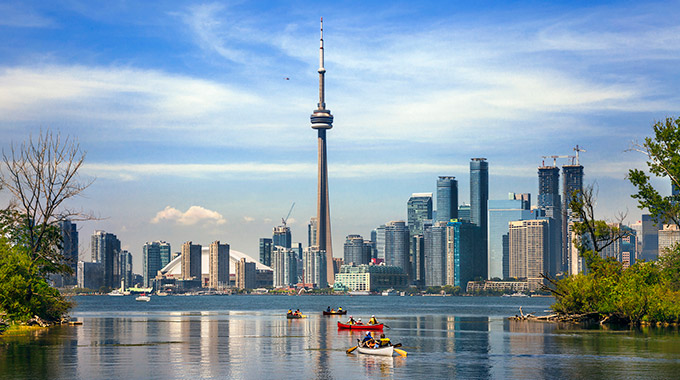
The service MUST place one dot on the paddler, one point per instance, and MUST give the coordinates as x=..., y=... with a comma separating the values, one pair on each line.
x=372, y=321
x=368, y=340
x=384, y=341
x=351, y=321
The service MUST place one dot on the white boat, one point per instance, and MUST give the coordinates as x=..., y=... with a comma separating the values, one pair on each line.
x=390, y=292
x=143, y=298
x=116, y=293
x=382, y=351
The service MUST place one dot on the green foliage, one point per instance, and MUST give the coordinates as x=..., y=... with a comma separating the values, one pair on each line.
x=663, y=151
x=644, y=292
x=24, y=292
x=450, y=289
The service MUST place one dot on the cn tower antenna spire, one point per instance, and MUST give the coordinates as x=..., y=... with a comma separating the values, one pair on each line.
x=322, y=72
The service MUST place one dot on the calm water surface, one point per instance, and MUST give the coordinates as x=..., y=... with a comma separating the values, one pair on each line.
x=248, y=337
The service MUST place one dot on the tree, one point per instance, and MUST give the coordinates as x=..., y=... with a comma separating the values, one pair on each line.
x=663, y=153
x=41, y=175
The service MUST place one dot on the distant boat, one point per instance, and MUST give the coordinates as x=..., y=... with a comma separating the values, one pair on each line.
x=390, y=292
x=116, y=293
x=359, y=293
x=143, y=298
x=161, y=294
x=517, y=294
x=335, y=312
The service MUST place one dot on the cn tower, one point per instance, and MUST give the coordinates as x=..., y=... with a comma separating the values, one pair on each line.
x=322, y=120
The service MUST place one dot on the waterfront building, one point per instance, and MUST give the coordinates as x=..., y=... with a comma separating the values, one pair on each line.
x=501, y=213
x=322, y=120
x=218, y=271
x=572, y=184
x=69, y=249
x=498, y=286
x=126, y=275
x=314, y=262
x=370, y=278
x=464, y=213
x=151, y=262
x=397, y=245
x=529, y=242
x=447, y=199
x=245, y=274
x=461, y=238
x=191, y=261
x=266, y=251
x=435, y=254
x=284, y=265
x=105, y=250
x=669, y=235
x=90, y=275
x=549, y=201
x=281, y=237
x=479, y=196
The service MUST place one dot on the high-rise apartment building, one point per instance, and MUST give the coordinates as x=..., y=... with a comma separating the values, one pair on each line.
x=501, y=213
x=419, y=210
x=380, y=242
x=418, y=248
x=529, y=242
x=151, y=262
x=650, y=238
x=126, y=269
x=314, y=262
x=312, y=227
x=281, y=237
x=549, y=201
x=572, y=176
x=284, y=265
x=266, y=251
x=464, y=213
x=397, y=245
x=166, y=253
x=435, y=254
x=447, y=199
x=105, y=250
x=191, y=261
x=69, y=249
x=218, y=267
x=246, y=275
x=355, y=250
x=479, y=196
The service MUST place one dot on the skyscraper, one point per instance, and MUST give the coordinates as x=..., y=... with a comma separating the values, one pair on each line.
x=105, y=250
x=312, y=227
x=246, y=274
x=529, y=249
x=125, y=269
x=284, y=265
x=322, y=120
x=191, y=261
x=69, y=249
x=218, y=267
x=550, y=203
x=460, y=251
x=314, y=262
x=355, y=251
x=281, y=236
x=419, y=211
x=266, y=251
x=397, y=245
x=464, y=213
x=479, y=196
x=435, y=254
x=447, y=199
x=166, y=253
x=572, y=175
x=151, y=262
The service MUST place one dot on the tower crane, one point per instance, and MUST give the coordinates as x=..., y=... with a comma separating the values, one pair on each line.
x=284, y=220
x=578, y=149
x=555, y=159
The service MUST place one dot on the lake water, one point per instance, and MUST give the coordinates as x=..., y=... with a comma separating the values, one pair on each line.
x=249, y=337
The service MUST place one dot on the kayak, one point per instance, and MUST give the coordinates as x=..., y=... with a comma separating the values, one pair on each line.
x=382, y=351
x=360, y=327
x=335, y=312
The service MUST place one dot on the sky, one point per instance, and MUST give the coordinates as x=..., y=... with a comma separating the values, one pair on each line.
x=194, y=116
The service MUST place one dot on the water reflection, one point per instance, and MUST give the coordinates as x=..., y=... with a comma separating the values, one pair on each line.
x=247, y=345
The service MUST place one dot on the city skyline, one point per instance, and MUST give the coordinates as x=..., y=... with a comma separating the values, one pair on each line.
x=194, y=115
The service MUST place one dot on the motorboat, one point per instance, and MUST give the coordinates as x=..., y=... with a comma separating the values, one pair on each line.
x=143, y=298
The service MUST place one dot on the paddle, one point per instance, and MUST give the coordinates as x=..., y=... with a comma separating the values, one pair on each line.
x=400, y=352
x=350, y=350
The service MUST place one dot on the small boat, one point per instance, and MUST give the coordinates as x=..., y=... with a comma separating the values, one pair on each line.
x=379, y=326
x=295, y=316
x=143, y=298
x=335, y=312
x=116, y=293
x=381, y=351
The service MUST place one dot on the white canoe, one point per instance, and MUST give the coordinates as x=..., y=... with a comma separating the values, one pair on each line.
x=382, y=351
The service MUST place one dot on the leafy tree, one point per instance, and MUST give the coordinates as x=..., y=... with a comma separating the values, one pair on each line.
x=663, y=153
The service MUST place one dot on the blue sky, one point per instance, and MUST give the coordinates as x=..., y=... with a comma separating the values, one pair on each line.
x=193, y=132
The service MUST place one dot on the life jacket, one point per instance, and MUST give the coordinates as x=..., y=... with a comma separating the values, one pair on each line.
x=373, y=321
x=384, y=342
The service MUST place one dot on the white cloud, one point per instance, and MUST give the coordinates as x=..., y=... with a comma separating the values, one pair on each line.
x=248, y=219
x=194, y=215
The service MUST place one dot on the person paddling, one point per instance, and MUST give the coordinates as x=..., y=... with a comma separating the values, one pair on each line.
x=384, y=342
x=351, y=321
x=368, y=340
x=372, y=321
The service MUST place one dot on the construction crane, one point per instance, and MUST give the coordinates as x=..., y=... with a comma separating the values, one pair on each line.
x=284, y=220
x=555, y=159
x=578, y=149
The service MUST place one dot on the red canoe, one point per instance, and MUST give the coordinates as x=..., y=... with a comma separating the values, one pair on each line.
x=360, y=327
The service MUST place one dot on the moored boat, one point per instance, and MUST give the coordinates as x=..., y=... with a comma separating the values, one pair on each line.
x=335, y=312
x=381, y=351
x=360, y=327
x=143, y=298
